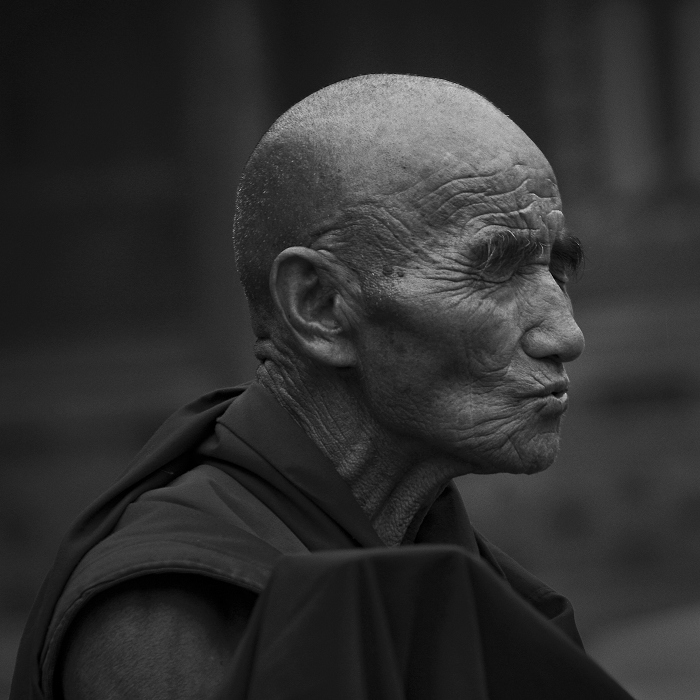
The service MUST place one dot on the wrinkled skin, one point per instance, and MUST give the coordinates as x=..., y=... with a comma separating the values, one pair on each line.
x=404, y=358
x=468, y=363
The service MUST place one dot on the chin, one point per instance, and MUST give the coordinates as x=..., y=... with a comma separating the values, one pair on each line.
x=539, y=454
x=531, y=457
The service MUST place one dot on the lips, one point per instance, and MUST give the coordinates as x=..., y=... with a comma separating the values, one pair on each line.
x=557, y=388
x=553, y=395
x=552, y=400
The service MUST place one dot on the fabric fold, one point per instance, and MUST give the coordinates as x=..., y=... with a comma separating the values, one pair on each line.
x=226, y=487
x=404, y=624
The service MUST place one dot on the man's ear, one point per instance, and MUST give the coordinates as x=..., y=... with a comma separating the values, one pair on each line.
x=310, y=290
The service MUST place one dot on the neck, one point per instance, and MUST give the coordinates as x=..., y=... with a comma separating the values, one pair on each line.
x=392, y=478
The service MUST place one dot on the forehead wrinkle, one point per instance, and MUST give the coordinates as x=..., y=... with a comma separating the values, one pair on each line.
x=460, y=199
x=408, y=242
x=440, y=206
x=434, y=191
x=407, y=222
x=533, y=217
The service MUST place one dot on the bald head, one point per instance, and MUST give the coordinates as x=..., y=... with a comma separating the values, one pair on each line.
x=343, y=159
x=402, y=245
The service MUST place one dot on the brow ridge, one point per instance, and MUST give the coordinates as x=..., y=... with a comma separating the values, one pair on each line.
x=507, y=249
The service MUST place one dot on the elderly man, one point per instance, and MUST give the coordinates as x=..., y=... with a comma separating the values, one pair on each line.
x=403, y=250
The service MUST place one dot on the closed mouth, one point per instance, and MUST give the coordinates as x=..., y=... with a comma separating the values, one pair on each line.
x=557, y=389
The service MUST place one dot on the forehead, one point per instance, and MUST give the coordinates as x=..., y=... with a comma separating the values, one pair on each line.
x=452, y=203
x=521, y=196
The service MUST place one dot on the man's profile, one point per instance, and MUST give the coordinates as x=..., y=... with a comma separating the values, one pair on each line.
x=402, y=247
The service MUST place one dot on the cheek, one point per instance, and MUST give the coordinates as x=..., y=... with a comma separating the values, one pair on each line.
x=492, y=338
x=468, y=343
x=397, y=360
x=403, y=369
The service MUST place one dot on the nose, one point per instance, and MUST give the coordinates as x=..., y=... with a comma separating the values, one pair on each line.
x=555, y=334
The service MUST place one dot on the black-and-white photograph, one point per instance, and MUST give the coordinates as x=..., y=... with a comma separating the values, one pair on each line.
x=350, y=350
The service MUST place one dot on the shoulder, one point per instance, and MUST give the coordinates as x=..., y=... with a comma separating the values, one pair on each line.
x=167, y=635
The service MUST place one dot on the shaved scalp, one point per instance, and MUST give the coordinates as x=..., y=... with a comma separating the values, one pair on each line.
x=335, y=167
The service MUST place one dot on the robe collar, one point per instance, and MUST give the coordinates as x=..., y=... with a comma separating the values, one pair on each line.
x=257, y=433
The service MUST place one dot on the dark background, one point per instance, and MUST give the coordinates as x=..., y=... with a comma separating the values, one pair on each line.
x=124, y=127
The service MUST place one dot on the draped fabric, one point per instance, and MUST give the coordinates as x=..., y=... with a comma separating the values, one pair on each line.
x=166, y=455
x=272, y=468
x=404, y=624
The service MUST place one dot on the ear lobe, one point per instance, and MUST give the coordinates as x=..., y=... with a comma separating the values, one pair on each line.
x=310, y=296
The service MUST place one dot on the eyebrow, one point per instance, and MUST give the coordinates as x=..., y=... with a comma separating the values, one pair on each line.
x=507, y=249
x=567, y=254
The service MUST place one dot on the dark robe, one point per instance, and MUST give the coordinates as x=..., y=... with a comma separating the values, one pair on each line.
x=405, y=623
x=226, y=488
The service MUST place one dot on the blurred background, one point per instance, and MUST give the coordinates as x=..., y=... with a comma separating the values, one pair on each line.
x=125, y=125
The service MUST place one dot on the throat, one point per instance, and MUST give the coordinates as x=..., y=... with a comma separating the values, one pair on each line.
x=393, y=479
x=397, y=507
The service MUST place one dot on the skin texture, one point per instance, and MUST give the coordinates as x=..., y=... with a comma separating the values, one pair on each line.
x=466, y=353
x=404, y=359
x=163, y=636
x=401, y=242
